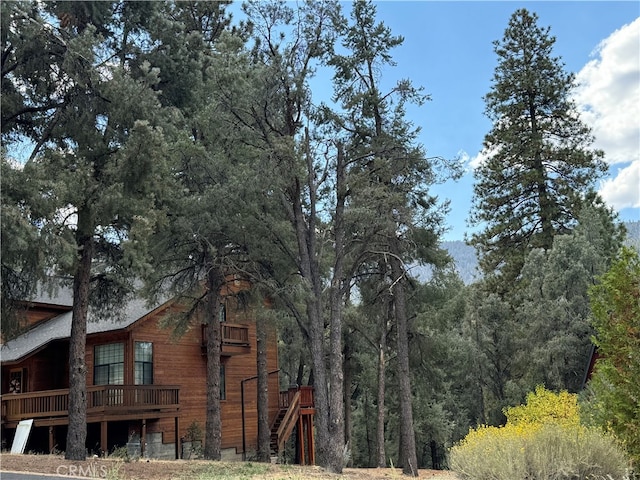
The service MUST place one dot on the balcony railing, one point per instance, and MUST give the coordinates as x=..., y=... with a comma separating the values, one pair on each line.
x=101, y=399
x=235, y=334
x=234, y=339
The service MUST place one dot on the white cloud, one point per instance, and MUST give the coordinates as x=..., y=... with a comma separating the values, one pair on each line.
x=608, y=94
x=608, y=97
x=623, y=190
x=464, y=159
x=480, y=158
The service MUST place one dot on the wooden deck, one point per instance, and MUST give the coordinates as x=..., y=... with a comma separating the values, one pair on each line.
x=104, y=402
x=306, y=397
x=296, y=409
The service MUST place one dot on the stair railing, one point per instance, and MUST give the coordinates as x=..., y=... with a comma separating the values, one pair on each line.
x=288, y=422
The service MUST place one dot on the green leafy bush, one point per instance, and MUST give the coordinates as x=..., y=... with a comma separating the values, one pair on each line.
x=614, y=388
x=541, y=440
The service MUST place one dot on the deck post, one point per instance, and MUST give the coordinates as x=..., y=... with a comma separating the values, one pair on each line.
x=178, y=446
x=310, y=440
x=51, y=439
x=103, y=438
x=143, y=438
x=301, y=440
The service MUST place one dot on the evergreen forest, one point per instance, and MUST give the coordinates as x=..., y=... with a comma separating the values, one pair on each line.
x=153, y=148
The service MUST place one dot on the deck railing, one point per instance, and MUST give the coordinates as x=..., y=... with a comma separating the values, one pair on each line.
x=231, y=334
x=289, y=421
x=101, y=399
x=235, y=334
x=306, y=397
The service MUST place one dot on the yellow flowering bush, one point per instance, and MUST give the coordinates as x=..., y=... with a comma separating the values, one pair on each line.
x=542, y=439
x=544, y=406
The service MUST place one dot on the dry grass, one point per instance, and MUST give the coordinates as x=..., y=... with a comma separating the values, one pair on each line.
x=114, y=469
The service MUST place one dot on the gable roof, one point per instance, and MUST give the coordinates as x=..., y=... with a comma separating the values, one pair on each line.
x=56, y=292
x=59, y=327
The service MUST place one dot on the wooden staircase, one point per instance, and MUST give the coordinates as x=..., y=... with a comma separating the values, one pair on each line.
x=296, y=408
x=275, y=425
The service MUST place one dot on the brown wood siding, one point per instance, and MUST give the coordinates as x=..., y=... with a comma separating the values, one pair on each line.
x=50, y=369
x=37, y=315
x=181, y=362
x=46, y=370
x=242, y=367
x=178, y=362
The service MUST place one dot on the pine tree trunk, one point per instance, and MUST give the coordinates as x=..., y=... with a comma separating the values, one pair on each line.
x=348, y=439
x=305, y=236
x=335, y=462
x=300, y=374
x=264, y=434
x=213, y=424
x=407, y=452
x=321, y=392
x=367, y=415
x=309, y=270
x=77, y=431
x=328, y=382
x=381, y=458
x=480, y=380
x=544, y=200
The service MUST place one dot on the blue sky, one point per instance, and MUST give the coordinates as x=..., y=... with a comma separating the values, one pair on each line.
x=448, y=50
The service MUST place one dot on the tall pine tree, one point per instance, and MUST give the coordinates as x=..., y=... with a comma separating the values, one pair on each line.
x=202, y=240
x=390, y=208
x=539, y=165
x=288, y=46
x=93, y=125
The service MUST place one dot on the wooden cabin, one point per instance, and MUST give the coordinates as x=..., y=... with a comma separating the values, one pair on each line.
x=146, y=389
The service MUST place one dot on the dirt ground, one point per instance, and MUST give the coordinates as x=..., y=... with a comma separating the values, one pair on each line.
x=185, y=469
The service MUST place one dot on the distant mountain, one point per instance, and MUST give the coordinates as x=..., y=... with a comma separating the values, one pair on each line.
x=466, y=262
x=633, y=234
x=464, y=259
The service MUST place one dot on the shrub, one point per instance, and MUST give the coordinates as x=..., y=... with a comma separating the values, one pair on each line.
x=544, y=406
x=615, y=387
x=541, y=440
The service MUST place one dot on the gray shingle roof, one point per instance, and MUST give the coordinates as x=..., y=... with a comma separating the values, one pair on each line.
x=59, y=327
x=56, y=292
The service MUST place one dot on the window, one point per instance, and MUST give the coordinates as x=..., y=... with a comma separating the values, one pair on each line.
x=222, y=313
x=108, y=364
x=143, y=372
x=223, y=384
x=16, y=381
